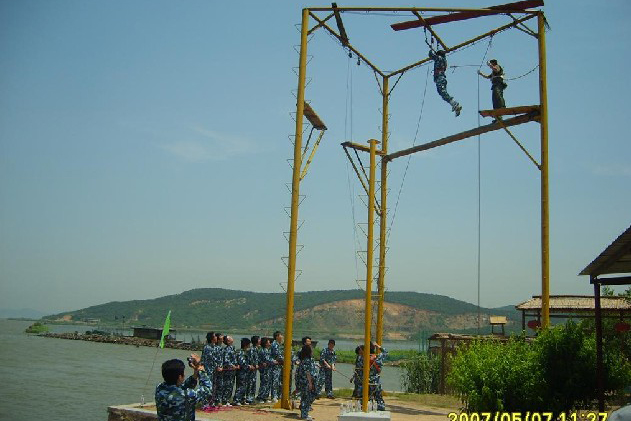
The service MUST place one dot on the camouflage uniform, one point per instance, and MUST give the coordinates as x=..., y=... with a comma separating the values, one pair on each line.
x=177, y=403
x=241, y=375
x=217, y=362
x=440, y=65
x=250, y=389
x=265, y=367
x=358, y=375
x=326, y=374
x=374, y=380
x=277, y=369
x=209, y=363
x=307, y=396
x=229, y=365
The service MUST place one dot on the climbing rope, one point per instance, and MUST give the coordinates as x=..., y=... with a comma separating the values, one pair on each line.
x=407, y=165
x=479, y=259
x=348, y=134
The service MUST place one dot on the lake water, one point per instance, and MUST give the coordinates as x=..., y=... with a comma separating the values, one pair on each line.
x=60, y=379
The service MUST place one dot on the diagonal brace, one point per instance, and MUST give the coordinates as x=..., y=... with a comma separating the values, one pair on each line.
x=501, y=123
x=303, y=173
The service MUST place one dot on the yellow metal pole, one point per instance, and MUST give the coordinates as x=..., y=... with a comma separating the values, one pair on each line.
x=545, y=206
x=383, y=216
x=369, y=263
x=295, y=200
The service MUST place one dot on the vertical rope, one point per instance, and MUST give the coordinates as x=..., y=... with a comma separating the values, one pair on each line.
x=480, y=191
x=348, y=135
x=144, y=389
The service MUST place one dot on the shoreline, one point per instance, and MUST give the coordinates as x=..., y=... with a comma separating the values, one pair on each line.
x=123, y=340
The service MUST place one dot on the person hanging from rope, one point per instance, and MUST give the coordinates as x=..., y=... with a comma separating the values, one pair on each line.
x=497, y=83
x=440, y=66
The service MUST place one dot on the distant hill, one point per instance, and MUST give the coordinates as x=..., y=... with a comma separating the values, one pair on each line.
x=339, y=312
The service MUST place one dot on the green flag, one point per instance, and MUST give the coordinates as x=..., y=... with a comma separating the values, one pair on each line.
x=165, y=329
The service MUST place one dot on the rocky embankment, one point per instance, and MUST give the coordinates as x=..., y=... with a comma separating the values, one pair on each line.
x=123, y=340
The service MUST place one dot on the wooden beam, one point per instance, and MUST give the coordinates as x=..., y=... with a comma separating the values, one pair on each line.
x=313, y=117
x=525, y=118
x=359, y=147
x=452, y=17
x=340, y=25
x=622, y=280
x=525, y=109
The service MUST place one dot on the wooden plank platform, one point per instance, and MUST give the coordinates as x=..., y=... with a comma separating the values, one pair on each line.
x=313, y=117
x=524, y=109
x=520, y=119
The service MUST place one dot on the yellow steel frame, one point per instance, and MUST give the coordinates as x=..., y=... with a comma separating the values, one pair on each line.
x=379, y=206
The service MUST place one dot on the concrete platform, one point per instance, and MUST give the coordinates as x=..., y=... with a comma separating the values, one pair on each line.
x=360, y=416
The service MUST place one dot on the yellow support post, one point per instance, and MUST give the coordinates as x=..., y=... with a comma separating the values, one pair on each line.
x=383, y=216
x=369, y=262
x=545, y=216
x=295, y=200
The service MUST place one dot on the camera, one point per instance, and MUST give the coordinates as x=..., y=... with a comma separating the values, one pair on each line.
x=191, y=361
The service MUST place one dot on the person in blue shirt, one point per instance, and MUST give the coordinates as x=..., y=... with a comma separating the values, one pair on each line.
x=306, y=381
x=327, y=367
x=243, y=368
x=177, y=398
x=276, y=352
x=440, y=66
x=229, y=362
x=253, y=358
x=265, y=366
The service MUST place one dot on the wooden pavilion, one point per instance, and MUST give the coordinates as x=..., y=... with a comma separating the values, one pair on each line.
x=572, y=306
x=614, y=260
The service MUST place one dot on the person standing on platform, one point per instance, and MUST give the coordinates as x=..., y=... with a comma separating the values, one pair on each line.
x=253, y=358
x=376, y=364
x=307, y=379
x=243, y=368
x=265, y=367
x=217, y=358
x=277, y=367
x=229, y=367
x=497, y=83
x=207, y=355
x=327, y=367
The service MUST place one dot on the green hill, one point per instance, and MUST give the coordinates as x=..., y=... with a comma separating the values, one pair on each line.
x=339, y=311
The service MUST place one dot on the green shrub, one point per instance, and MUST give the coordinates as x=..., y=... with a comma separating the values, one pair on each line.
x=421, y=374
x=555, y=373
x=494, y=376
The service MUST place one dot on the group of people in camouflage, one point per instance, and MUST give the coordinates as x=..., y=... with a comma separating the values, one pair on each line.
x=222, y=370
x=235, y=371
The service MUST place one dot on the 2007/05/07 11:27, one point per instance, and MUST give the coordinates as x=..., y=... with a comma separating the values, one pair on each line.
x=528, y=416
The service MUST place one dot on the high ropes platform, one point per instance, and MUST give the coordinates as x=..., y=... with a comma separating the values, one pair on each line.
x=330, y=20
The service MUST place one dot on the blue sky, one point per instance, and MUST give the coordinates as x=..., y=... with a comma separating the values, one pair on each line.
x=143, y=151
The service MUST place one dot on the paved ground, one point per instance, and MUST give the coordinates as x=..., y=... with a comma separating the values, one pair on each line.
x=326, y=410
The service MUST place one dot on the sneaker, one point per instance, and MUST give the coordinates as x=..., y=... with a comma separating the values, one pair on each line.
x=227, y=404
x=274, y=400
x=236, y=403
x=330, y=396
x=457, y=109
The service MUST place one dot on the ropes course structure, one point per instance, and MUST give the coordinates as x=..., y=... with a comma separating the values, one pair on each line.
x=329, y=20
